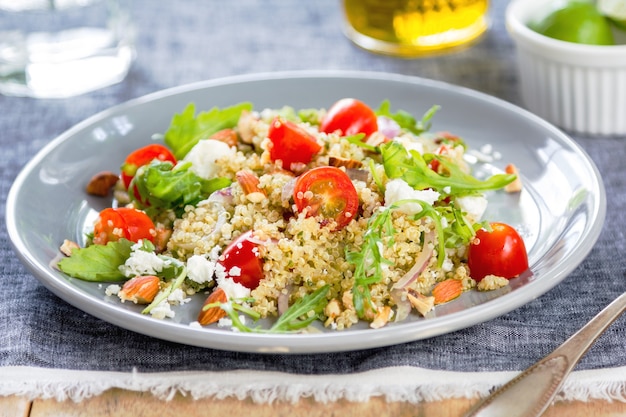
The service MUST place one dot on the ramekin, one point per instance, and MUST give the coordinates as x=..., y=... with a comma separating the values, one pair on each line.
x=580, y=88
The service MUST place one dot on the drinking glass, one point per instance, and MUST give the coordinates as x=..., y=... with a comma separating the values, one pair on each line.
x=410, y=28
x=63, y=48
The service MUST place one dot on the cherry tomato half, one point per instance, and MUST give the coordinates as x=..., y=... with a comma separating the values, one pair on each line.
x=349, y=116
x=327, y=191
x=144, y=156
x=500, y=252
x=291, y=143
x=242, y=261
x=116, y=223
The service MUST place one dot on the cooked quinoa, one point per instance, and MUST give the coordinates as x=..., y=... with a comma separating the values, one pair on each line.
x=358, y=227
x=300, y=253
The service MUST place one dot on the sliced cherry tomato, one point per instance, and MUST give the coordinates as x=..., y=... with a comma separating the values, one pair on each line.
x=144, y=156
x=116, y=223
x=500, y=252
x=291, y=143
x=327, y=191
x=350, y=116
x=242, y=261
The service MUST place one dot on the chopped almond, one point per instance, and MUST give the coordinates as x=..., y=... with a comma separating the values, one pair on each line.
x=344, y=162
x=376, y=139
x=161, y=238
x=250, y=185
x=516, y=185
x=447, y=290
x=210, y=315
x=247, y=126
x=332, y=309
x=141, y=289
x=423, y=304
x=382, y=317
x=102, y=183
x=228, y=136
x=68, y=246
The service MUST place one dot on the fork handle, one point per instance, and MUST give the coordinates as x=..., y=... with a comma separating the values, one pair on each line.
x=532, y=391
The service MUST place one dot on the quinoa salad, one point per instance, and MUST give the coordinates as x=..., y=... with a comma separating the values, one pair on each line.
x=333, y=216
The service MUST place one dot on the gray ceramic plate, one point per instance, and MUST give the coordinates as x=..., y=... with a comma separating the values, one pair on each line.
x=560, y=212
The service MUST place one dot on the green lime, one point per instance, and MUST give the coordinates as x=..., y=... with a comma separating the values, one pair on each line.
x=614, y=10
x=577, y=21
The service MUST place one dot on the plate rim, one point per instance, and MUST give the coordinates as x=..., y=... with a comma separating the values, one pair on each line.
x=301, y=343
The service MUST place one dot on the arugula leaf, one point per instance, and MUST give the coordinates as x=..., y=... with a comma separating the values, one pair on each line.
x=311, y=116
x=413, y=168
x=298, y=315
x=358, y=141
x=186, y=129
x=369, y=260
x=459, y=231
x=163, y=186
x=406, y=120
x=98, y=263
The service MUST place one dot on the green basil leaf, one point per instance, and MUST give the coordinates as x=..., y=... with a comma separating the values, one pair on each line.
x=186, y=129
x=98, y=263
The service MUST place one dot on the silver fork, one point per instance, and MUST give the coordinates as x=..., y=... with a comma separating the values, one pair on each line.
x=532, y=391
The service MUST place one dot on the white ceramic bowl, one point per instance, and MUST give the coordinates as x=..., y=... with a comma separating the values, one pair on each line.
x=581, y=88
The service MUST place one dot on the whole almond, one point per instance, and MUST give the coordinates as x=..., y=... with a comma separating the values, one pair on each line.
x=102, y=183
x=212, y=314
x=447, y=290
x=141, y=289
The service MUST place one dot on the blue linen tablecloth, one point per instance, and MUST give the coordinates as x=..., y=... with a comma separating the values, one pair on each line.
x=193, y=40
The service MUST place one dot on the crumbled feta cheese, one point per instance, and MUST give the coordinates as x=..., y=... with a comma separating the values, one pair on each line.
x=200, y=269
x=447, y=265
x=410, y=144
x=220, y=272
x=214, y=254
x=162, y=310
x=232, y=289
x=195, y=325
x=141, y=263
x=227, y=322
x=112, y=289
x=204, y=154
x=235, y=271
x=474, y=206
x=475, y=156
x=398, y=189
x=486, y=153
x=178, y=297
x=224, y=322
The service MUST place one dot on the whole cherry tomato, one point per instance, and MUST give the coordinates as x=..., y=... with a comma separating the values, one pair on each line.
x=291, y=143
x=350, y=116
x=242, y=261
x=143, y=156
x=499, y=252
x=327, y=191
x=116, y=223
